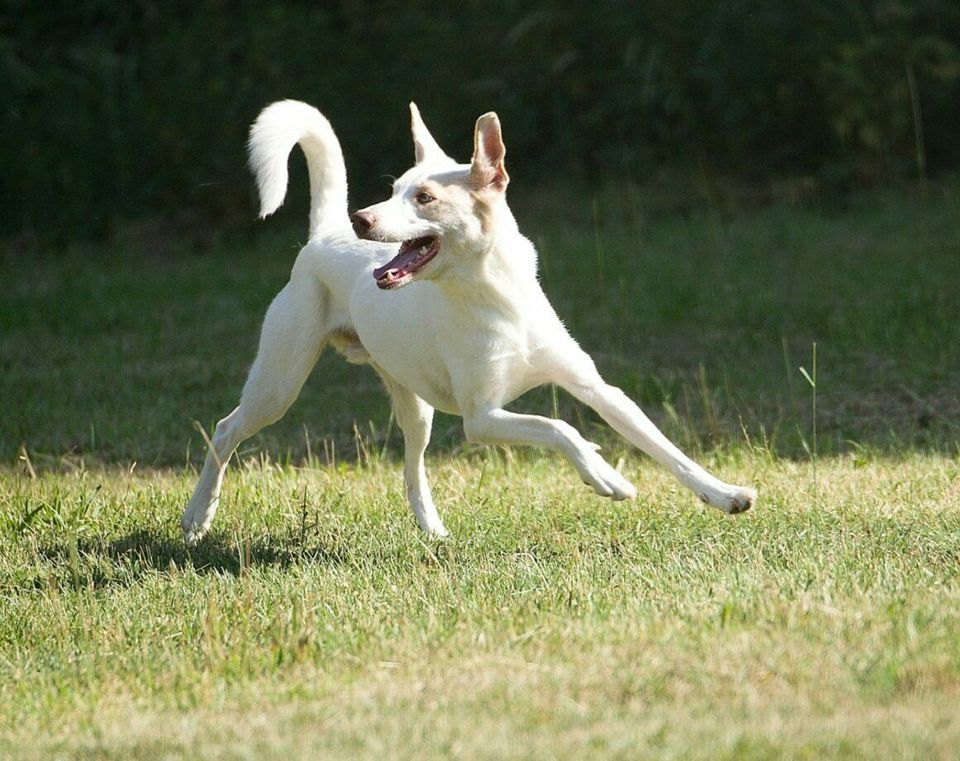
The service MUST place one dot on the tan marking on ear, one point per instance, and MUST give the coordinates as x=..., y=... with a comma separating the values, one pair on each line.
x=487, y=166
x=484, y=212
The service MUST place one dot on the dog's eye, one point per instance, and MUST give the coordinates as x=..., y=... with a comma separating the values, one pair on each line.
x=423, y=197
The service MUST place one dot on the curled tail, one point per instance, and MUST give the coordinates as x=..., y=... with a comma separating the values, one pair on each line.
x=279, y=127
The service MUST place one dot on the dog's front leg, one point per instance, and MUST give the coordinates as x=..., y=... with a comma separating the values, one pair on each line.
x=574, y=370
x=497, y=426
x=415, y=418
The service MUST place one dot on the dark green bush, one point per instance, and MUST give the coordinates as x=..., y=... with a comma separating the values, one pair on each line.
x=115, y=111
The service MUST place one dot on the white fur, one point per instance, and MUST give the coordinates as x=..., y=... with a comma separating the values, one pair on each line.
x=272, y=137
x=472, y=332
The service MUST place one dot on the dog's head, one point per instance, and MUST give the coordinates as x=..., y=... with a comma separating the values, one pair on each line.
x=443, y=214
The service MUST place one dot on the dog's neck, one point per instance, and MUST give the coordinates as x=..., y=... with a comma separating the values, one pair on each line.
x=505, y=265
x=503, y=257
x=510, y=254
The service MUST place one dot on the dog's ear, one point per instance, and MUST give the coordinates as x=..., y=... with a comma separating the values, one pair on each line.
x=425, y=147
x=487, y=169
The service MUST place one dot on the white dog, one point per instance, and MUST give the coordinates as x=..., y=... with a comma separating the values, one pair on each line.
x=471, y=331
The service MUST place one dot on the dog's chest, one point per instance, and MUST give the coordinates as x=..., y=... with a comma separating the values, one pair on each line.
x=452, y=357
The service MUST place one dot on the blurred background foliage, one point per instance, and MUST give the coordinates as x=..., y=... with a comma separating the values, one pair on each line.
x=117, y=111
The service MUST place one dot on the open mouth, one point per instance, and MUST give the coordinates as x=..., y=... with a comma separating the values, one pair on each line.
x=412, y=257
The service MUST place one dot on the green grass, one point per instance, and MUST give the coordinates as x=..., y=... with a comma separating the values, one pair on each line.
x=316, y=621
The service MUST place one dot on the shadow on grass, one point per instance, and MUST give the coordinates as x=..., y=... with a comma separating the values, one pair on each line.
x=126, y=561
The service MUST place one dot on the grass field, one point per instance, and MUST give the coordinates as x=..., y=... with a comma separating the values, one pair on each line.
x=315, y=621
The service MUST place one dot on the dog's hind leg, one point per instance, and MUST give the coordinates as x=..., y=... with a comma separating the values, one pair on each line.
x=415, y=418
x=574, y=370
x=292, y=336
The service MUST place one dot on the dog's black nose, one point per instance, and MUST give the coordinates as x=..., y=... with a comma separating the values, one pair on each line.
x=362, y=223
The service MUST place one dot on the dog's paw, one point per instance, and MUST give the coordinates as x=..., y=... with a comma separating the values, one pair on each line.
x=732, y=500
x=605, y=479
x=193, y=532
x=437, y=531
x=194, y=527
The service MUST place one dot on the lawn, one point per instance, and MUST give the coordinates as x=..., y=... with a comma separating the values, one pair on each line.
x=316, y=620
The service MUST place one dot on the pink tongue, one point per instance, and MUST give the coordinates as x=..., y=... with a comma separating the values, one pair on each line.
x=400, y=262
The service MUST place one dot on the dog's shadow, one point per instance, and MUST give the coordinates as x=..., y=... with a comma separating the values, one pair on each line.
x=126, y=561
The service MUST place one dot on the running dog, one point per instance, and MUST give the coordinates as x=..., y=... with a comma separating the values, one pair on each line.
x=437, y=290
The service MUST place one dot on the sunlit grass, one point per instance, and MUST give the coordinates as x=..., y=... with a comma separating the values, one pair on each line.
x=553, y=618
